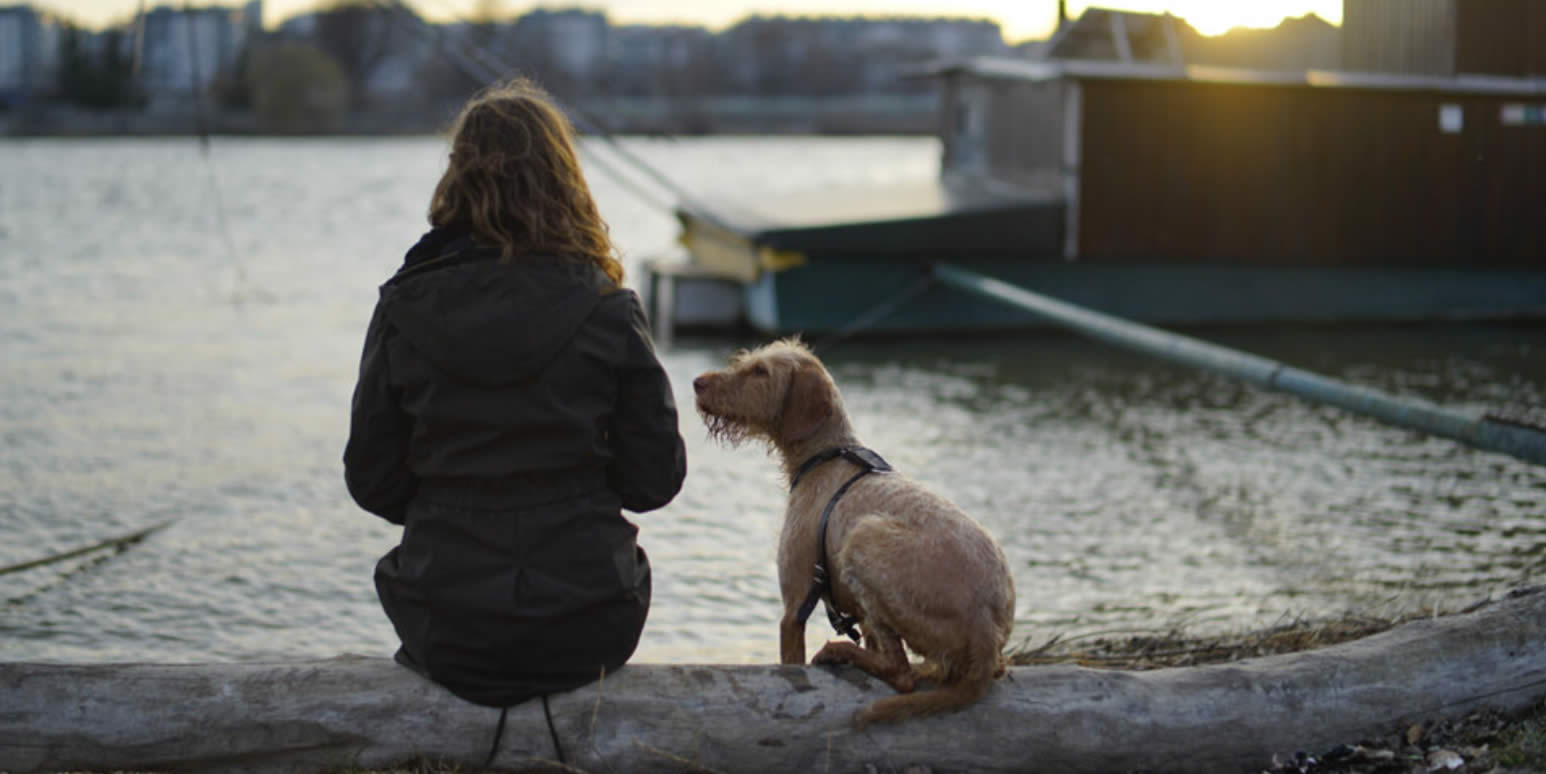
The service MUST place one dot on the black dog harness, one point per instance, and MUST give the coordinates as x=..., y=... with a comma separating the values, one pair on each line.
x=821, y=583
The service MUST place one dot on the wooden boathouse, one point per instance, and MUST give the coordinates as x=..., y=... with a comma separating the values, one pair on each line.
x=1118, y=174
x=1427, y=146
x=1160, y=163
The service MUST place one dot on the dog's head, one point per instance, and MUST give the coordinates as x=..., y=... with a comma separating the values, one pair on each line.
x=778, y=393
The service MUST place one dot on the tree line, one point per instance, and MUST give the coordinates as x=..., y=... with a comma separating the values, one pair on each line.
x=329, y=67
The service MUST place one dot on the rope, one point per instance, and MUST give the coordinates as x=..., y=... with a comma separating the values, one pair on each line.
x=485, y=68
x=117, y=542
x=222, y=224
x=138, y=62
x=448, y=11
x=877, y=312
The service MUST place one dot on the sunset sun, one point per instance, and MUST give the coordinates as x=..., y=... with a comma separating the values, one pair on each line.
x=1023, y=19
x=1214, y=17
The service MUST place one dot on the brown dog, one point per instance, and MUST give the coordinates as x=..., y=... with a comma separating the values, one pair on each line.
x=907, y=563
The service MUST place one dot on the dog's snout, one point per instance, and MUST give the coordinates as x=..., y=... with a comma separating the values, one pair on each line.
x=701, y=383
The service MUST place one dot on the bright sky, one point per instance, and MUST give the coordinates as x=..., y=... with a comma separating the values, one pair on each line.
x=1021, y=19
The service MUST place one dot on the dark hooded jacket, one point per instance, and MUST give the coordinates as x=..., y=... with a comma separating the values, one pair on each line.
x=506, y=412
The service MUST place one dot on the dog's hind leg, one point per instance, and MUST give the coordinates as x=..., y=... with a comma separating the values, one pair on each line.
x=940, y=621
x=960, y=690
x=885, y=659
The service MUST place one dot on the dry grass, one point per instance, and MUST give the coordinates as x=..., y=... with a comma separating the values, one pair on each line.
x=1484, y=742
x=1522, y=743
x=1177, y=649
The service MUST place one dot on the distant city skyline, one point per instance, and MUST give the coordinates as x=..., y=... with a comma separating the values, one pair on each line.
x=1020, y=19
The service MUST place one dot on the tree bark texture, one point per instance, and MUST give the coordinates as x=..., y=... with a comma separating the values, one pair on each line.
x=370, y=713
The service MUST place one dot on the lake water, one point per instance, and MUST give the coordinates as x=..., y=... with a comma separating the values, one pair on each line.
x=180, y=337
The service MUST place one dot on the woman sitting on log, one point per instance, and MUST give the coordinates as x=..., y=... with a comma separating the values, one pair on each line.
x=509, y=406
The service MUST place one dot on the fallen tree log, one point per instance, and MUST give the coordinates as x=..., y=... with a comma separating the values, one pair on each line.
x=370, y=713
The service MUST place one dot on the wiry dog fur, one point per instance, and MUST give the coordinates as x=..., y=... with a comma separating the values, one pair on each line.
x=910, y=565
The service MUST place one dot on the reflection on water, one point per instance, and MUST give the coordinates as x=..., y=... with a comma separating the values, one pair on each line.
x=153, y=373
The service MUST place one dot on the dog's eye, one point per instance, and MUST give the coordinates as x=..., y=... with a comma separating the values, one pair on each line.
x=759, y=370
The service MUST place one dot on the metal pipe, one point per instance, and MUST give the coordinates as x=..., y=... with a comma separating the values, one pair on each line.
x=1474, y=429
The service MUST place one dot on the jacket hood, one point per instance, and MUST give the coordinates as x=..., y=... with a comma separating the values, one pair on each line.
x=485, y=320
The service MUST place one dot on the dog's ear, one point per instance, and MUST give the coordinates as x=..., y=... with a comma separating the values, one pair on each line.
x=808, y=403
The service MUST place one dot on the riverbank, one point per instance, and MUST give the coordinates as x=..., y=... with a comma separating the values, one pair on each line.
x=854, y=115
x=1460, y=692
x=1482, y=742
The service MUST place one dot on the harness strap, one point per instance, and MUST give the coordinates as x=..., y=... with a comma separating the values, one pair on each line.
x=821, y=582
x=815, y=461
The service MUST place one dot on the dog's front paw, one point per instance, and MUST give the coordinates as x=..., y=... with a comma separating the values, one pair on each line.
x=834, y=653
x=931, y=671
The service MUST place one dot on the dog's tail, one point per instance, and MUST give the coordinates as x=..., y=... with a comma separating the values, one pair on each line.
x=966, y=683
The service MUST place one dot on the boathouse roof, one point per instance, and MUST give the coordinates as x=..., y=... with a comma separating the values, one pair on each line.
x=1006, y=68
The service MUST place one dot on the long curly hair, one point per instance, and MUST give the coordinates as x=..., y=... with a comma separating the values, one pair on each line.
x=514, y=180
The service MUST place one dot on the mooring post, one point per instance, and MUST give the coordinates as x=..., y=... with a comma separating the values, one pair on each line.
x=1475, y=429
x=660, y=303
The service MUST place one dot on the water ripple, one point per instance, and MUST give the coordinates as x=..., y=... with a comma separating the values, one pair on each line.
x=151, y=374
